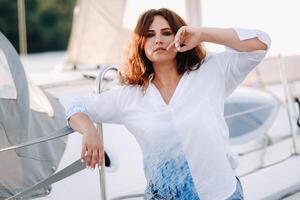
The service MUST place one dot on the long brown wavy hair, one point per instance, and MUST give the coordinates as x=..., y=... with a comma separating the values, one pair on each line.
x=137, y=67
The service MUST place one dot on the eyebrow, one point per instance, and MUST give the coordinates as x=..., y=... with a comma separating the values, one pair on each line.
x=163, y=29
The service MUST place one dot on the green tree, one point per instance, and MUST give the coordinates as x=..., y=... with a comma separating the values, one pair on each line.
x=9, y=21
x=48, y=23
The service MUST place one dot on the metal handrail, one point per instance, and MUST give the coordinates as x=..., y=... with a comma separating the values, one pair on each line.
x=288, y=96
x=98, y=90
x=56, y=134
x=252, y=110
x=129, y=196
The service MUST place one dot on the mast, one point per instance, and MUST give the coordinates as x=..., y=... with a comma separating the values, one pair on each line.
x=194, y=12
x=22, y=27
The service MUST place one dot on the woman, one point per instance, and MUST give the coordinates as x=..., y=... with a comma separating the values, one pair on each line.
x=172, y=101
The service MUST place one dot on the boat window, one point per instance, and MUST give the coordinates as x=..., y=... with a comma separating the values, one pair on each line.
x=248, y=123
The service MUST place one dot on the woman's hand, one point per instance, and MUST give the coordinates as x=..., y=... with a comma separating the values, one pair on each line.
x=92, y=149
x=186, y=38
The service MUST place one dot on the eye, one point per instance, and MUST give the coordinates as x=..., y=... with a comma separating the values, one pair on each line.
x=167, y=33
x=149, y=35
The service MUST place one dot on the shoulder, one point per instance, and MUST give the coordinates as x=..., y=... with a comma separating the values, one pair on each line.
x=129, y=89
x=128, y=93
x=212, y=58
x=207, y=64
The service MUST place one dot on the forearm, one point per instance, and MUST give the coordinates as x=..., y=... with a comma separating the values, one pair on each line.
x=228, y=37
x=81, y=123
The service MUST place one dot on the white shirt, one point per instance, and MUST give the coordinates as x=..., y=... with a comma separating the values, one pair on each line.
x=190, y=131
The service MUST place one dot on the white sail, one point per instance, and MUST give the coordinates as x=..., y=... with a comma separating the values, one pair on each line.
x=98, y=35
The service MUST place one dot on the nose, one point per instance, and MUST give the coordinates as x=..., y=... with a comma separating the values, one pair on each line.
x=158, y=39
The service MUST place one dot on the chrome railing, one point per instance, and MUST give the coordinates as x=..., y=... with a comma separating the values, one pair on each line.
x=289, y=102
x=98, y=90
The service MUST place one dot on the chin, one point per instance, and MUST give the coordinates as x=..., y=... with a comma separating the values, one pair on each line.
x=162, y=58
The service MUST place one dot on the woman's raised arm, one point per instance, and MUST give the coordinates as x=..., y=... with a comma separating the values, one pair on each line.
x=188, y=37
x=228, y=37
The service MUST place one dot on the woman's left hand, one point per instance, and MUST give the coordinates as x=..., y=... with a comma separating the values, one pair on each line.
x=186, y=38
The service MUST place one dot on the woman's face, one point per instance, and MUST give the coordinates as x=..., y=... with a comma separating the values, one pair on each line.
x=158, y=37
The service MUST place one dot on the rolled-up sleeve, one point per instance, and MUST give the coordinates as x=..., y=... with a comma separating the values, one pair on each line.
x=101, y=108
x=235, y=65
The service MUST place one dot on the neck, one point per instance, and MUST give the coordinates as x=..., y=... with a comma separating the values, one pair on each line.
x=165, y=74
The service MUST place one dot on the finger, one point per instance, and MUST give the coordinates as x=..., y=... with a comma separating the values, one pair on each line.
x=94, y=158
x=183, y=48
x=101, y=155
x=172, y=44
x=100, y=160
x=179, y=37
x=182, y=35
x=89, y=157
x=83, y=152
x=177, y=44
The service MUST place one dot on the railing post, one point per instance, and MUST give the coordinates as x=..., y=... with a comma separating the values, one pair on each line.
x=98, y=90
x=287, y=92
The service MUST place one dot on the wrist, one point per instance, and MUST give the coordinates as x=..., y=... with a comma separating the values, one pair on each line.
x=88, y=129
x=199, y=35
x=203, y=34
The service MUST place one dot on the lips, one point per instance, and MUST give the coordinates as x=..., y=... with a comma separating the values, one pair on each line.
x=159, y=49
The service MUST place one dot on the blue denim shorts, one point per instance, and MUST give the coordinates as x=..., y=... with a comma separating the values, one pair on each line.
x=238, y=194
